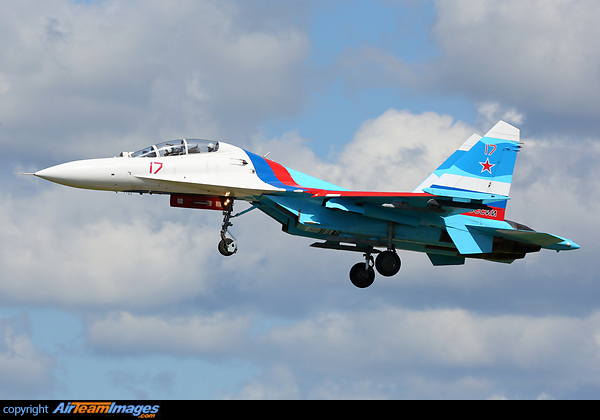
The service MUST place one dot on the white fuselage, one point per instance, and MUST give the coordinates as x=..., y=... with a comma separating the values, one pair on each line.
x=227, y=172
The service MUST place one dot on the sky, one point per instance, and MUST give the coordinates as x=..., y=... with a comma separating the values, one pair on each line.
x=116, y=296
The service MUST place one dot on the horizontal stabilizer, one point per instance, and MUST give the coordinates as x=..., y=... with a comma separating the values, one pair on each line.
x=545, y=240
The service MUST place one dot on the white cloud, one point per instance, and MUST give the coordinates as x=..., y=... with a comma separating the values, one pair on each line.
x=218, y=334
x=107, y=68
x=55, y=254
x=392, y=152
x=492, y=112
x=25, y=370
x=535, y=54
x=394, y=344
x=534, y=57
x=398, y=150
x=277, y=382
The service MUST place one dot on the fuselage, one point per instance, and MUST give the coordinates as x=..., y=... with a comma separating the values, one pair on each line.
x=226, y=171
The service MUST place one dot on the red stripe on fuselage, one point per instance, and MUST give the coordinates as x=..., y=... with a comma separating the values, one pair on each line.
x=354, y=194
x=282, y=174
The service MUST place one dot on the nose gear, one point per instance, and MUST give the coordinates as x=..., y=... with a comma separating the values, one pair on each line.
x=227, y=246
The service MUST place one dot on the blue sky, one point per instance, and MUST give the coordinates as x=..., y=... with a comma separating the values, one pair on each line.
x=96, y=300
x=337, y=100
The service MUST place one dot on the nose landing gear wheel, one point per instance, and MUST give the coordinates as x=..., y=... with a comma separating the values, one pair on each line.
x=388, y=263
x=227, y=247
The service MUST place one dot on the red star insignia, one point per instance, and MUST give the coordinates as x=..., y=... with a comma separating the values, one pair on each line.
x=487, y=166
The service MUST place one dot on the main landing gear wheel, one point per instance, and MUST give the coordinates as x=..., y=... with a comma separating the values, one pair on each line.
x=362, y=274
x=388, y=263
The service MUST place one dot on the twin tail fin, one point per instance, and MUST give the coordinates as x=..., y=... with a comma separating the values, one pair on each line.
x=480, y=170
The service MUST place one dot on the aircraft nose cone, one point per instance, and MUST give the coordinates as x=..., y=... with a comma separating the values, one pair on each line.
x=90, y=174
x=71, y=174
x=54, y=174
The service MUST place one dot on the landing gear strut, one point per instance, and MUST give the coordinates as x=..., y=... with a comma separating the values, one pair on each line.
x=227, y=246
x=388, y=262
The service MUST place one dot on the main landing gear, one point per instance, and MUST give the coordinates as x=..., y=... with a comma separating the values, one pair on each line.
x=227, y=246
x=387, y=264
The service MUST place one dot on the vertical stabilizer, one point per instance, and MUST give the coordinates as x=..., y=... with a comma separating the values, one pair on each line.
x=459, y=153
x=480, y=167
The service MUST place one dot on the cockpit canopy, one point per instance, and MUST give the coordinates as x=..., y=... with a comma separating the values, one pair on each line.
x=177, y=148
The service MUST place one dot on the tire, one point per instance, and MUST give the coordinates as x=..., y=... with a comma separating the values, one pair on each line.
x=224, y=247
x=388, y=263
x=362, y=277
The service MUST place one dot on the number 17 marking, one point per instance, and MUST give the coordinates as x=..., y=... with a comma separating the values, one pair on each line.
x=157, y=167
x=490, y=146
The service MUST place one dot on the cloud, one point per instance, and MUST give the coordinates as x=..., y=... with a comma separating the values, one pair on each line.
x=135, y=383
x=398, y=150
x=384, y=352
x=534, y=55
x=492, y=112
x=443, y=337
x=25, y=370
x=392, y=152
x=59, y=256
x=214, y=335
x=448, y=353
x=276, y=382
x=112, y=74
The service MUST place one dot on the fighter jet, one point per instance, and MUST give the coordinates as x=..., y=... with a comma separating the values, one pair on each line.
x=458, y=212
